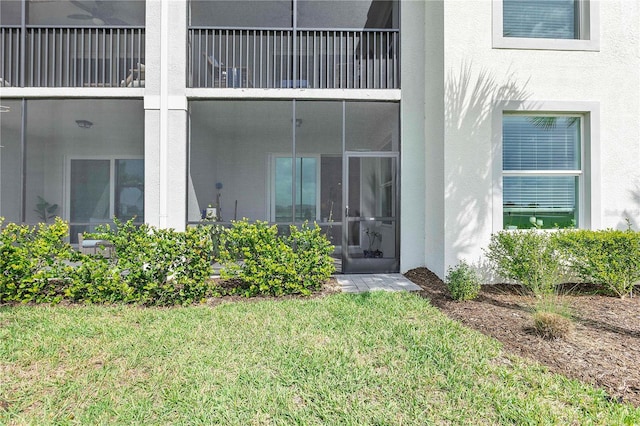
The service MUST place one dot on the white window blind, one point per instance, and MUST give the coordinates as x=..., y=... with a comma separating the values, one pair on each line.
x=540, y=143
x=540, y=192
x=541, y=170
x=557, y=19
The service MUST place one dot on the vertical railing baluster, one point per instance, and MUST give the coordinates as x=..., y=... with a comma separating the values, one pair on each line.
x=315, y=59
x=59, y=58
x=94, y=53
x=31, y=70
x=118, y=66
x=112, y=82
x=125, y=55
x=103, y=31
x=140, y=58
x=82, y=56
x=132, y=56
x=205, y=52
x=46, y=57
x=89, y=56
x=253, y=54
x=8, y=53
x=67, y=53
x=247, y=57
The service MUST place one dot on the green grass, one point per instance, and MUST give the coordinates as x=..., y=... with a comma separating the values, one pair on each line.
x=377, y=358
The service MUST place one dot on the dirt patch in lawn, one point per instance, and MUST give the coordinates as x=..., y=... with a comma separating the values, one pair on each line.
x=604, y=348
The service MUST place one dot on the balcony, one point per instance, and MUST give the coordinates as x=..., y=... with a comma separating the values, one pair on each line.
x=72, y=56
x=287, y=58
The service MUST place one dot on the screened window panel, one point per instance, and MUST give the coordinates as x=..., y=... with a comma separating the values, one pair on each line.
x=557, y=19
x=540, y=143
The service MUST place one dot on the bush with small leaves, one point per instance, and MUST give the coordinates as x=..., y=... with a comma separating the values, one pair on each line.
x=35, y=262
x=155, y=266
x=463, y=282
x=528, y=257
x=265, y=263
x=610, y=258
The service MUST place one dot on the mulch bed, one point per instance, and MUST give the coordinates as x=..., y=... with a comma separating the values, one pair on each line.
x=604, y=349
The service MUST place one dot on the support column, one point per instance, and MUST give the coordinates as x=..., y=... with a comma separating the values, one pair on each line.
x=166, y=114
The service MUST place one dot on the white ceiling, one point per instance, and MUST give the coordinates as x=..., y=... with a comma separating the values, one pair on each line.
x=56, y=119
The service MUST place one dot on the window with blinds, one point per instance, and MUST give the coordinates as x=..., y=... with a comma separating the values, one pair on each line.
x=541, y=160
x=556, y=19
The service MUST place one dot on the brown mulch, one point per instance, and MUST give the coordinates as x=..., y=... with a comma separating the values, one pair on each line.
x=603, y=350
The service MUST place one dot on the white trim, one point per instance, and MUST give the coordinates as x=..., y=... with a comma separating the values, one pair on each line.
x=299, y=94
x=72, y=92
x=590, y=188
x=589, y=32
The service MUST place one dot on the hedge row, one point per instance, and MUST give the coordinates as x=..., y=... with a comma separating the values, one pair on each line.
x=539, y=260
x=154, y=266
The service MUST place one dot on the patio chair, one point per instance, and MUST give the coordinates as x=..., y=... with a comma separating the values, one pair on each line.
x=99, y=247
x=135, y=77
x=227, y=76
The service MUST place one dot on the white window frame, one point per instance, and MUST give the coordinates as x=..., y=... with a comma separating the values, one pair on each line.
x=589, y=213
x=589, y=25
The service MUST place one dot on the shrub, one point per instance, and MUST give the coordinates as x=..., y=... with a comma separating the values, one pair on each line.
x=264, y=263
x=463, y=282
x=551, y=325
x=34, y=261
x=152, y=266
x=608, y=257
x=528, y=257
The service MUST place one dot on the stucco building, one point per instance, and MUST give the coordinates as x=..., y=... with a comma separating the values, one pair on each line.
x=409, y=130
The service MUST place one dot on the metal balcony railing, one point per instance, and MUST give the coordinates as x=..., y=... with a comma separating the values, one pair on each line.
x=307, y=58
x=72, y=56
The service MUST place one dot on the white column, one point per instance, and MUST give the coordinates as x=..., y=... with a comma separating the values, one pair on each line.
x=166, y=114
x=412, y=149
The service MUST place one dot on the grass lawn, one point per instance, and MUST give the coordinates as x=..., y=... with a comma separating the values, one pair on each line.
x=377, y=358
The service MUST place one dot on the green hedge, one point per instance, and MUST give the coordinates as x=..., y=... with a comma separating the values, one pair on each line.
x=152, y=265
x=35, y=262
x=262, y=262
x=528, y=257
x=535, y=259
x=158, y=266
x=609, y=258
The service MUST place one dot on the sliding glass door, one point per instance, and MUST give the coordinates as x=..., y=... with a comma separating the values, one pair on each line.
x=101, y=189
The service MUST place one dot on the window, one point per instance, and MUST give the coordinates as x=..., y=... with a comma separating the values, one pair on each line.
x=103, y=188
x=542, y=171
x=546, y=24
x=306, y=189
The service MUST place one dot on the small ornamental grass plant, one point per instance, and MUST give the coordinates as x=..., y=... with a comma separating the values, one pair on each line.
x=463, y=282
x=551, y=325
x=552, y=318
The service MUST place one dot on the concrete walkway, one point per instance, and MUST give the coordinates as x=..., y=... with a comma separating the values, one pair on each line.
x=360, y=283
